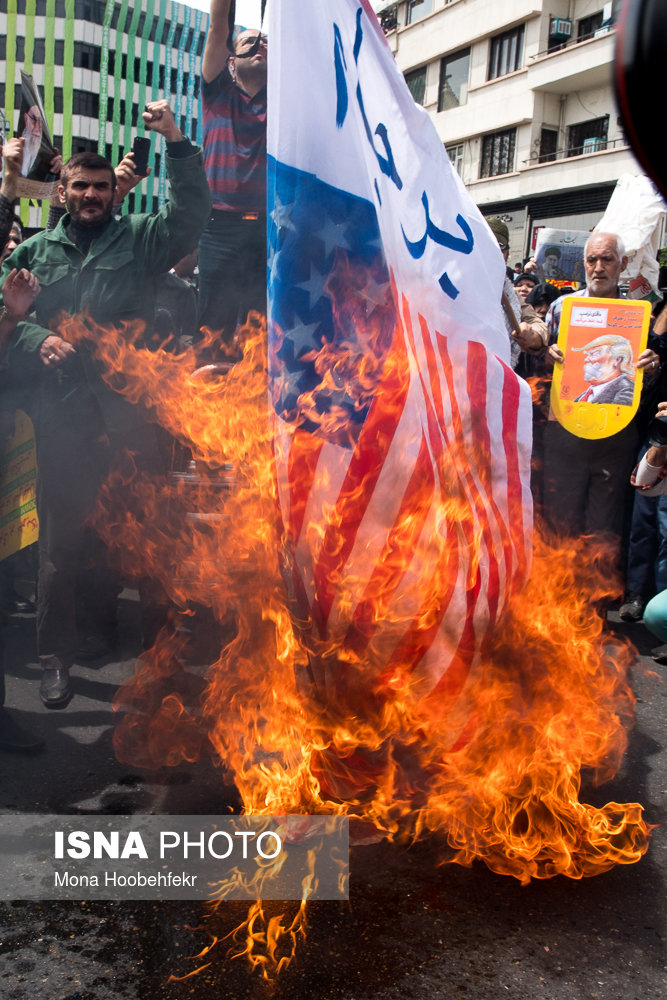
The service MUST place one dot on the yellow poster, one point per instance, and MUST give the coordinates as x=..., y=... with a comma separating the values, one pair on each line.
x=595, y=392
x=18, y=474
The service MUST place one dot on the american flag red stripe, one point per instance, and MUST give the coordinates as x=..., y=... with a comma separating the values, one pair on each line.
x=363, y=471
x=401, y=543
x=516, y=501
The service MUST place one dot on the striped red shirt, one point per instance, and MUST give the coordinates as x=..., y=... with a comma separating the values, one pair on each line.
x=234, y=145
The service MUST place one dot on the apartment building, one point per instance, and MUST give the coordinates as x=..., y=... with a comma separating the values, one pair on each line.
x=96, y=64
x=520, y=92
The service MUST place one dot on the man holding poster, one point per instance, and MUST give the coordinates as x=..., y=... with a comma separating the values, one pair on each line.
x=586, y=480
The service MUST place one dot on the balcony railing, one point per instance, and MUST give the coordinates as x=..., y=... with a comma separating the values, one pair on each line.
x=570, y=42
x=589, y=146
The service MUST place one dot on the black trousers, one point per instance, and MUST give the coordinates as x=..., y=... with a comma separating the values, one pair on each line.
x=232, y=271
x=586, y=483
x=78, y=587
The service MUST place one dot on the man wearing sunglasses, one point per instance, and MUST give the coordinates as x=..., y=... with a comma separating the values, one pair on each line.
x=232, y=251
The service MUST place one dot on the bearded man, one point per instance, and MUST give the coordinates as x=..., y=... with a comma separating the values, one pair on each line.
x=99, y=269
x=585, y=481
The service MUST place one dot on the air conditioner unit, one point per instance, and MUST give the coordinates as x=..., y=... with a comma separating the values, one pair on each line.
x=560, y=27
x=592, y=145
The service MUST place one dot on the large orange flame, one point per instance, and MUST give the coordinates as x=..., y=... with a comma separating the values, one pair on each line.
x=492, y=763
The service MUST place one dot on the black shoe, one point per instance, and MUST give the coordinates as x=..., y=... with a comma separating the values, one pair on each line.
x=632, y=609
x=659, y=654
x=17, y=605
x=15, y=739
x=55, y=690
x=94, y=645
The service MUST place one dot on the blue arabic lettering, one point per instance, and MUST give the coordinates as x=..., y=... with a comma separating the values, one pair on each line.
x=386, y=162
x=440, y=236
x=458, y=244
x=341, y=86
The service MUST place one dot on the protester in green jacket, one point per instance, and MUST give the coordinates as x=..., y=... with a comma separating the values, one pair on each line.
x=100, y=269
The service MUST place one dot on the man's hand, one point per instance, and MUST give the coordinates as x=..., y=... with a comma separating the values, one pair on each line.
x=12, y=154
x=19, y=291
x=527, y=339
x=158, y=117
x=54, y=351
x=556, y=354
x=648, y=359
x=126, y=179
x=56, y=164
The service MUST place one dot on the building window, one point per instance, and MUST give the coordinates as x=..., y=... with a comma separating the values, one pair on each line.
x=87, y=56
x=89, y=10
x=84, y=146
x=587, y=26
x=587, y=137
x=455, y=154
x=418, y=9
x=454, y=71
x=416, y=82
x=506, y=53
x=498, y=153
x=548, y=145
x=85, y=103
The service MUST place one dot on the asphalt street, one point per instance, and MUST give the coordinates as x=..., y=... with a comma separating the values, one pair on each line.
x=412, y=928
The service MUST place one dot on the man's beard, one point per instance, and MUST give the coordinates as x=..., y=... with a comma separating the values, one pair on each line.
x=31, y=144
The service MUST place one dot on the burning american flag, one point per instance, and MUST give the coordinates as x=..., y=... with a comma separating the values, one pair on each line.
x=402, y=436
x=414, y=674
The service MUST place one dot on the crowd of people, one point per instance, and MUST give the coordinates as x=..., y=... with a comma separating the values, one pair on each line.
x=109, y=269
x=583, y=486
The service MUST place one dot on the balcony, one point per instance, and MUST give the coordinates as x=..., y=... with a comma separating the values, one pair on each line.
x=569, y=42
x=579, y=64
x=567, y=152
x=591, y=164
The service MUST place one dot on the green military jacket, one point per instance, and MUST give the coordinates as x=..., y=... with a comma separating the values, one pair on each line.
x=113, y=284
